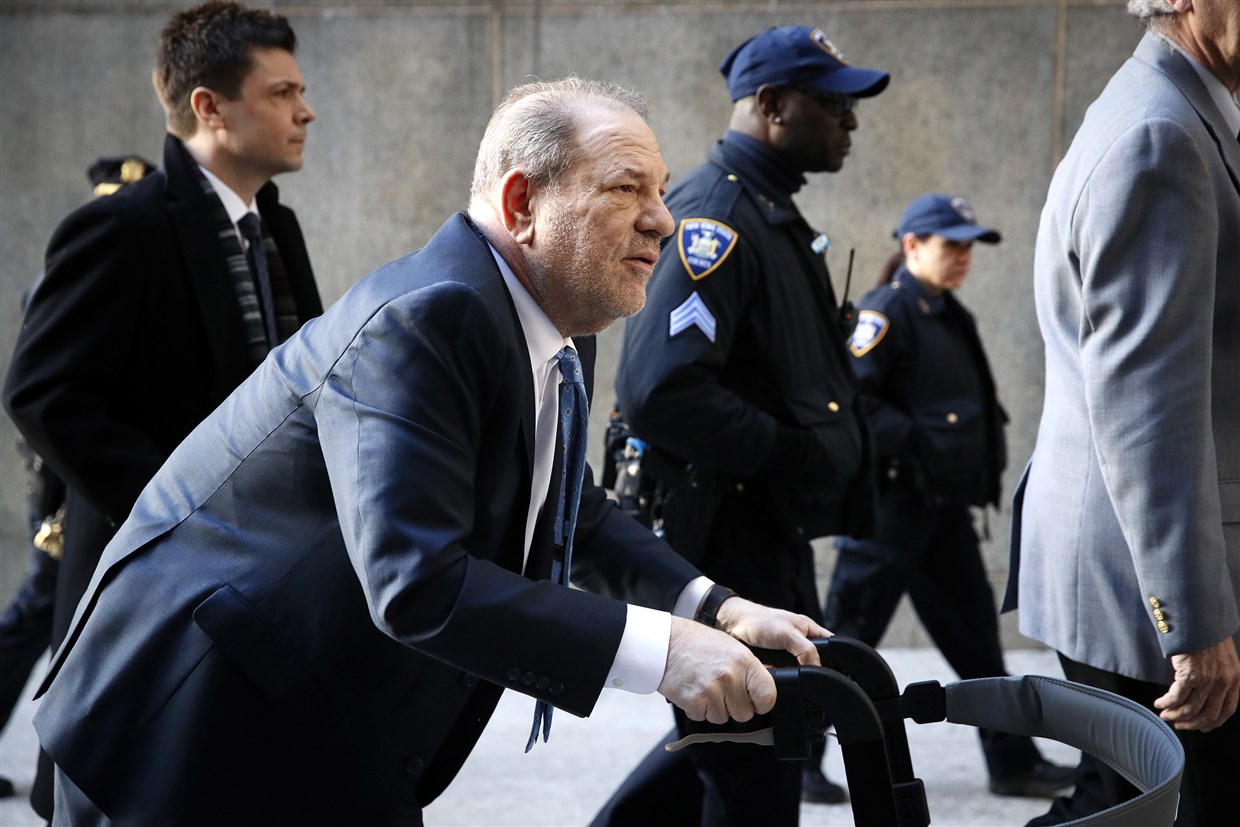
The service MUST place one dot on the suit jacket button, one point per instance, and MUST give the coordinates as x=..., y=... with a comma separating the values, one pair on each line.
x=528, y=679
x=556, y=688
x=414, y=765
x=514, y=674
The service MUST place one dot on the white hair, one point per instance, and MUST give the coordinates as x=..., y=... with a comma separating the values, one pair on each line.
x=535, y=129
x=1150, y=11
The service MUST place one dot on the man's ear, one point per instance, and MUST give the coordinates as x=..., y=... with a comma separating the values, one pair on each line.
x=205, y=104
x=516, y=206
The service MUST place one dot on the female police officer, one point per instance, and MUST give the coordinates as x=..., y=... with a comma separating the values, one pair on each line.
x=930, y=400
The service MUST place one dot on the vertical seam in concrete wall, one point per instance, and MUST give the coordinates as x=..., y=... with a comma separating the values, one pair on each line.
x=497, y=56
x=1061, y=84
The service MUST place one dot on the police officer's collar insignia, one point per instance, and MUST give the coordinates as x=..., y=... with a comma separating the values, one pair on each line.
x=704, y=244
x=692, y=313
x=872, y=326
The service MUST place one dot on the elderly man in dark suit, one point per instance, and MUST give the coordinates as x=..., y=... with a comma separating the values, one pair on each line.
x=1128, y=533
x=155, y=306
x=313, y=608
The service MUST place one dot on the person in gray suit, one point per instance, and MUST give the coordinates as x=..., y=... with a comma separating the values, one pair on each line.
x=1126, y=539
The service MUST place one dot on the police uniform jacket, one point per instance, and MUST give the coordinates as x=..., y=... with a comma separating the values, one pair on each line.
x=929, y=393
x=737, y=365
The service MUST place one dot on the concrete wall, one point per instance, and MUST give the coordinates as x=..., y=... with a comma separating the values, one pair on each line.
x=985, y=95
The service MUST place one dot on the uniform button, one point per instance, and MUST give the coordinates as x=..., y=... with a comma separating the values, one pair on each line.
x=1163, y=627
x=514, y=674
x=740, y=487
x=468, y=679
x=556, y=688
x=1155, y=602
x=414, y=765
x=833, y=407
x=542, y=683
x=952, y=419
x=731, y=177
x=528, y=679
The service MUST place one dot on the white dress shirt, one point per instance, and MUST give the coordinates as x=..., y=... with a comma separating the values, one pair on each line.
x=642, y=656
x=233, y=205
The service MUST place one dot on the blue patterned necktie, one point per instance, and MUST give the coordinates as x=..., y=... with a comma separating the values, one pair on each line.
x=574, y=421
x=251, y=227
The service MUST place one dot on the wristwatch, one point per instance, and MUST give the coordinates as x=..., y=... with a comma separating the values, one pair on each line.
x=710, y=604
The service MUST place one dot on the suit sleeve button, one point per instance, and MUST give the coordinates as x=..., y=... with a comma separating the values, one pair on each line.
x=1163, y=627
x=514, y=674
x=468, y=680
x=556, y=688
x=414, y=765
x=542, y=683
x=528, y=679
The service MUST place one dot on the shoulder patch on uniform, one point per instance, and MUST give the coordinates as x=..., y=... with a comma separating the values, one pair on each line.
x=872, y=326
x=704, y=244
x=692, y=313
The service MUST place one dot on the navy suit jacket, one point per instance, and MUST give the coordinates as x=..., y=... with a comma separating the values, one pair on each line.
x=293, y=622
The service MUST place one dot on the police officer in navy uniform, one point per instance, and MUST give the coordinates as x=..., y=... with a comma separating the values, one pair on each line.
x=736, y=374
x=938, y=433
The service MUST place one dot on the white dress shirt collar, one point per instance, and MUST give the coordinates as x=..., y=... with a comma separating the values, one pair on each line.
x=541, y=336
x=232, y=202
x=1223, y=99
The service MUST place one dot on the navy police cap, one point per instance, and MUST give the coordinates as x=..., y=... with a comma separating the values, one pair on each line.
x=797, y=56
x=938, y=214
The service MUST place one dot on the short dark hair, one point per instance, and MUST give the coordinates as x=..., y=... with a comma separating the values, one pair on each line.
x=212, y=45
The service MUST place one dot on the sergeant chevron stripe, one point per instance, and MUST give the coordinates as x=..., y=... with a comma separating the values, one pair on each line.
x=692, y=313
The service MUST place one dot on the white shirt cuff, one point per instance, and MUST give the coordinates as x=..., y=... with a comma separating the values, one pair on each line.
x=641, y=657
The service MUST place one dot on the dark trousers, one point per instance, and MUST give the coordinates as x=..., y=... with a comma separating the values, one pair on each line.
x=1208, y=791
x=932, y=554
x=26, y=630
x=729, y=784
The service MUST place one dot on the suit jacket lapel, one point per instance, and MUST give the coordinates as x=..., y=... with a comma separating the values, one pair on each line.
x=286, y=232
x=1176, y=67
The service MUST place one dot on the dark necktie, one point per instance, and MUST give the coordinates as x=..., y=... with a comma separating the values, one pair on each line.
x=252, y=228
x=574, y=421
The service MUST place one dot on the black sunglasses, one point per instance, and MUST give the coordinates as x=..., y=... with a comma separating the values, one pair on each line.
x=836, y=104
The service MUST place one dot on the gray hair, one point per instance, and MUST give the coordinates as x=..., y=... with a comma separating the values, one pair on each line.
x=534, y=129
x=1151, y=12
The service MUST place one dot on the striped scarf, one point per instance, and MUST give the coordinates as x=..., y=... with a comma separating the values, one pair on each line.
x=287, y=320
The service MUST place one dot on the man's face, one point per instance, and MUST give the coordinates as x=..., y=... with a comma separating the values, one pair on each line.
x=596, y=234
x=939, y=263
x=266, y=124
x=816, y=133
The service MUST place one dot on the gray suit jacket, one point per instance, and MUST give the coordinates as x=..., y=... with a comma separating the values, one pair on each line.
x=292, y=625
x=1120, y=526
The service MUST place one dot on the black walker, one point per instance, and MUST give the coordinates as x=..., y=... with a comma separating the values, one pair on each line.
x=855, y=692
